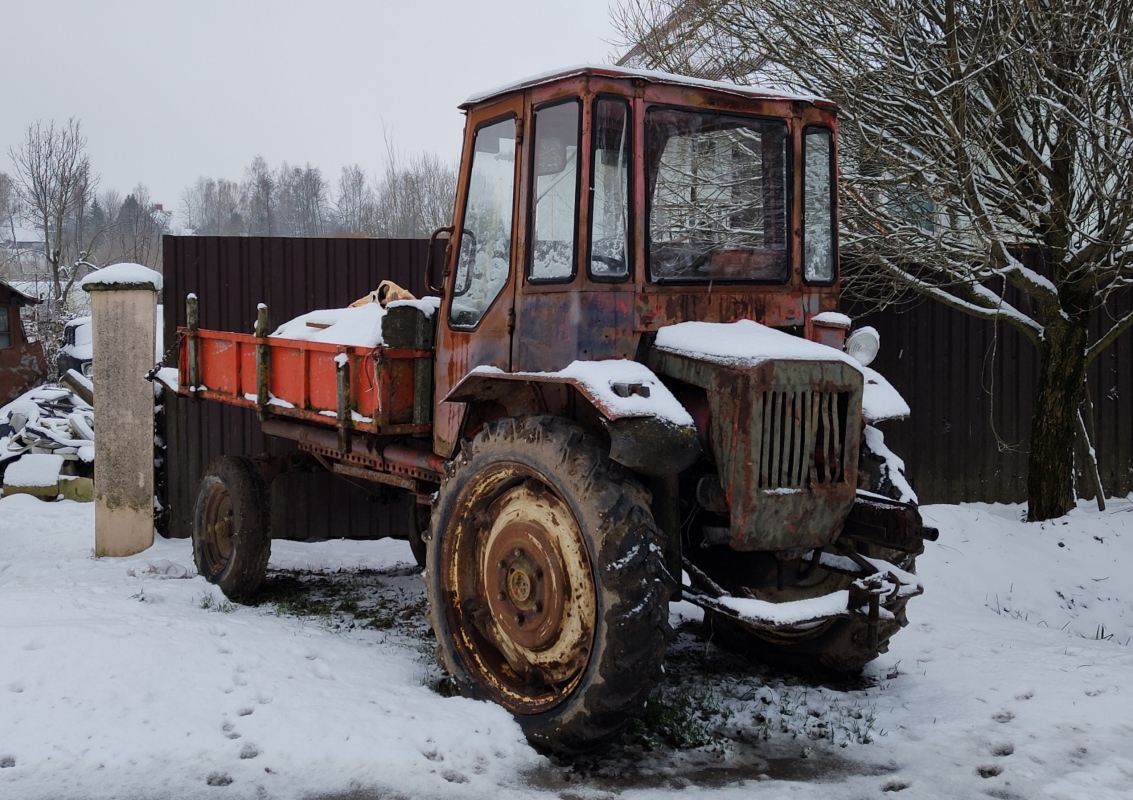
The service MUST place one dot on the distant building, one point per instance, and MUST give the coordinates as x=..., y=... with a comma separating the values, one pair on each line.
x=22, y=363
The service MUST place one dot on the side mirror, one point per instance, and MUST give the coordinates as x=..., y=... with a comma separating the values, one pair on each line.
x=436, y=289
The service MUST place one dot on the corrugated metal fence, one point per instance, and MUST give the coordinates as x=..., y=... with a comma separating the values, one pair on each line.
x=970, y=383
x=231, y=276
x=971, y=387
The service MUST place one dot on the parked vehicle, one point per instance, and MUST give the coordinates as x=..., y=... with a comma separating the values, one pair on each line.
x=630, y=387
x=77, y=350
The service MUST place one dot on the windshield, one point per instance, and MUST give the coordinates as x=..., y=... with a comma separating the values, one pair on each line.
x=717, y=188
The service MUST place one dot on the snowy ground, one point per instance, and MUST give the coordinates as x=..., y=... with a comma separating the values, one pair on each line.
x=134, y=678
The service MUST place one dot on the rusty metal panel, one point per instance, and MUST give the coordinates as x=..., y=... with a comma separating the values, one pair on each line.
x=784, y=436
x=22, y=367
x=231, y=275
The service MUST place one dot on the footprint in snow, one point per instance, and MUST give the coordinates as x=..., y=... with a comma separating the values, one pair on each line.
x=249, y=751
x=989, y=770
x=34, y=644
x=894, y=786
x=16, y=687
x=1002, y=749
x=1003, y=716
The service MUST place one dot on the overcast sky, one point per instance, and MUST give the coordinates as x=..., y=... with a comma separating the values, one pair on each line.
x=169, y=92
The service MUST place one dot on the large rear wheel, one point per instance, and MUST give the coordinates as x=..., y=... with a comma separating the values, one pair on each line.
x=547, y=587
x=231, y=526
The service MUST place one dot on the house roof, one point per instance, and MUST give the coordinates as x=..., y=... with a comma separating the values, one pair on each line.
x=17, y=293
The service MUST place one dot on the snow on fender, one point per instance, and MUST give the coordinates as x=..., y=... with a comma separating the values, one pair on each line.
x=650, y=431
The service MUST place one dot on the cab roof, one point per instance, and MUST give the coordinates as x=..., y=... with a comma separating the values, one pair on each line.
x=650, y=76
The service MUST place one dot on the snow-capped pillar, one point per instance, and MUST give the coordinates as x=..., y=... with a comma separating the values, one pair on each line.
x=123, y=303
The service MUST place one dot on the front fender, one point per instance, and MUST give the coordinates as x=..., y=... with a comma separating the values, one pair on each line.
x=650, y=431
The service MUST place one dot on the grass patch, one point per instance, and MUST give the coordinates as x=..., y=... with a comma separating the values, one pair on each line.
x=209, y=603
x=346, y=600
x=679, y=718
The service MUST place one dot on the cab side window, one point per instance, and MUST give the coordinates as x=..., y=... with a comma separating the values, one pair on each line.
x=555, y=189
x=609, y=209
x=484, y=255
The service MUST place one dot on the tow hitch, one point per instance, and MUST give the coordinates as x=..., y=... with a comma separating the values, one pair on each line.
x=877, y=584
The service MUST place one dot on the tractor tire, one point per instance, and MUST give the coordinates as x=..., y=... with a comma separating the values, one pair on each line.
x=231, y=526
x=547, y=586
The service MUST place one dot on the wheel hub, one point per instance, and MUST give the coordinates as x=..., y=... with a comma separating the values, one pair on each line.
x=535, y=576
x=218, y=518
x=528, y=580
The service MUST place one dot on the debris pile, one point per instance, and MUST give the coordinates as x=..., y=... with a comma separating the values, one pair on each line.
x=54, y=421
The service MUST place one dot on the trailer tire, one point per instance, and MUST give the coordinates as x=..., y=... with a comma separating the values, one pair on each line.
x=547, y=585
x=231, y=526
x=417, y=517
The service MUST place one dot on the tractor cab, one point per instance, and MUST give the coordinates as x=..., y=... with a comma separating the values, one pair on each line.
x=598, y=204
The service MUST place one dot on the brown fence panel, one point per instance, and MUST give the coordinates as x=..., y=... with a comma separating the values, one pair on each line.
x=231, y=276
x=971, y=386
x=970, y=383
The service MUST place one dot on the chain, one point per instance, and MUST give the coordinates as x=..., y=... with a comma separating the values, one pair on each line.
x=151, y=376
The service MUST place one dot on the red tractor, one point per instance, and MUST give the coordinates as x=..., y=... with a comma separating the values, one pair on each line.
x=633, y=387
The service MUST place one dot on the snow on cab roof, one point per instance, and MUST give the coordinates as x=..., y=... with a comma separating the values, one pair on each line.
x=652, y=76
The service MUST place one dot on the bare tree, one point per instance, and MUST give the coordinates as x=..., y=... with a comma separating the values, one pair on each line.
x=54, y=185
x=260, y=199
x=414, y=197
x=302, y=200
x=134, y=227
x=9, y=207
x=354, y=204
x=970, y=132
x=211, y=207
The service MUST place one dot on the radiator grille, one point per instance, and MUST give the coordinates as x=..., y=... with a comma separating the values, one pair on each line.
x=803, y=437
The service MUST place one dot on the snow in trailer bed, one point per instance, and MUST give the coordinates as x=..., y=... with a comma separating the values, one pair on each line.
x=360, y=326
x=133, y=677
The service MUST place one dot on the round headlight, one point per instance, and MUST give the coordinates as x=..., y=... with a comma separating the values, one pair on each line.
x=863, y=345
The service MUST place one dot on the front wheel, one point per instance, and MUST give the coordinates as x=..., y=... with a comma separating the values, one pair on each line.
x=547, y=587
x=231, y=526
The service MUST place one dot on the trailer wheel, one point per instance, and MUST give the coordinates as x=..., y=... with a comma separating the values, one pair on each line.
x=547, y=587
x=417, y=524
x=231, y=526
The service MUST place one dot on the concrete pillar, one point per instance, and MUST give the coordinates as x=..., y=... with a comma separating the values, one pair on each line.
x=123, y=302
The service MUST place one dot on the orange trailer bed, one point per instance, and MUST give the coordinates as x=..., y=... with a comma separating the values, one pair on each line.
x=379, y=390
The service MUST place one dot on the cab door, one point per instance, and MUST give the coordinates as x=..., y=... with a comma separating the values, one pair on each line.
x=476, y=326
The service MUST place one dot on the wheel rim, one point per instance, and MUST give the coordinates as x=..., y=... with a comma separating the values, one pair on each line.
x=218, y=528
x=522, y=605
